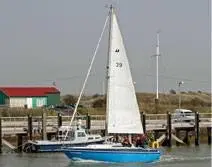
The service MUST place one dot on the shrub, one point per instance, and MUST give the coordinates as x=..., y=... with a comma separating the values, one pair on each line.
x=96, y=95
x=99, y=103
x=69, y=99
x=197, y=102
x=172, y=91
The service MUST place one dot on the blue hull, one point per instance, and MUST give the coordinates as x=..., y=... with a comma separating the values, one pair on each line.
x=114, y=155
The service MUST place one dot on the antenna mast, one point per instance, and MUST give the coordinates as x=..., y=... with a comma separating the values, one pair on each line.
x=157, y=55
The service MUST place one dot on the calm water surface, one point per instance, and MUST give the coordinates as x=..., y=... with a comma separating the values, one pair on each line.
x=176, y=157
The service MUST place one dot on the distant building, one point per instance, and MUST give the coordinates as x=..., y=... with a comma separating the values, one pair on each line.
x=29, y=97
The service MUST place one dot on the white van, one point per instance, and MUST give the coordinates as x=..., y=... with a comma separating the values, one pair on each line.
x=183, y=115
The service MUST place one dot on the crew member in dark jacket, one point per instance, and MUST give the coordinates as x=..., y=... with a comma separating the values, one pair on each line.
x=126, y=142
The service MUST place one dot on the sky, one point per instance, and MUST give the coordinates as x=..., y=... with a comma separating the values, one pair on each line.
x=46, y=41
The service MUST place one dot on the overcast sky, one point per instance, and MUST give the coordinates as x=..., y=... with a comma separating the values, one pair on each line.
x=50, y=40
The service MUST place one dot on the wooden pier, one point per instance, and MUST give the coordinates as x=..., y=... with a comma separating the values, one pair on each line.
x=158, y=127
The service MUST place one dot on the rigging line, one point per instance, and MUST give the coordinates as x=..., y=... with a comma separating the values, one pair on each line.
x=77, y=76
x=171, y=77
x=46, y=81
x=177, y=78
x=99, y=73
x=88, y=73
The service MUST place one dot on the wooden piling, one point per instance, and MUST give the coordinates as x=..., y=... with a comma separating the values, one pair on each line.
x=169, y=130
x=103, y=133
x=156, y=135
x=44, y=137
x=156, y=105
x=143, y=118
x=196, y=128
x=186, y=138
x=59, y=120
x=0, y=136
x=209, y=135
x=88, y=122
x=178, y=136
x=29, y=127
x=19, y=142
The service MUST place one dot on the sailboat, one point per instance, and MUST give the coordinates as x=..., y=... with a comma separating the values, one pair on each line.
x=122, y=111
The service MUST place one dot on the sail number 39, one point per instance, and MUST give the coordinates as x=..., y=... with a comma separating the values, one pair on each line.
x=118, y=64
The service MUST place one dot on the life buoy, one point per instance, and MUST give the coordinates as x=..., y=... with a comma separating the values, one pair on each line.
x=155, y=144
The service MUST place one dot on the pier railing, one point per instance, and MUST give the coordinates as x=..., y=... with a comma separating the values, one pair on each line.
x=13, y=125
x=12, y=120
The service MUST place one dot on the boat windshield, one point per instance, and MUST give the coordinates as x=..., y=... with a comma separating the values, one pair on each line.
x=81, y=134
x=71, y=135
x=62, y=134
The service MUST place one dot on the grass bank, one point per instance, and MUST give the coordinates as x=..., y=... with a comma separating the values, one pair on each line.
x=96, y=104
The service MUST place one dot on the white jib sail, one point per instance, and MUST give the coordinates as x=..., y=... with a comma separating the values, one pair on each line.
x=123, y=114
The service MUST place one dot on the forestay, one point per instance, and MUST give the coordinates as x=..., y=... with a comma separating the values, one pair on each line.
x=123, y=114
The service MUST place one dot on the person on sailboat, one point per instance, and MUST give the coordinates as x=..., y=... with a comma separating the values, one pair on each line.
x=141, y=141
x=115, y=139
x=126, y=142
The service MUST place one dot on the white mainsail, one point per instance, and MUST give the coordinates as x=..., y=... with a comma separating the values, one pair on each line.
x=123, y=114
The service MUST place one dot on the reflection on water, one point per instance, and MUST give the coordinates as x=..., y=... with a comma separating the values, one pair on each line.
x=177, y=156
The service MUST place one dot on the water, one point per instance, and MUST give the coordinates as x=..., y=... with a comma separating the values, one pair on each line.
x=175, y=157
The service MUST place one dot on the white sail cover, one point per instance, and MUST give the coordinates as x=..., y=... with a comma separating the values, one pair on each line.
x=123, y=114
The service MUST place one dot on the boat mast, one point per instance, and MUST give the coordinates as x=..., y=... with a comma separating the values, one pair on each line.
x=107, y=66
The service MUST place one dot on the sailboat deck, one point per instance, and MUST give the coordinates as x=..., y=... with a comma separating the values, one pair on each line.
x=112, y=147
